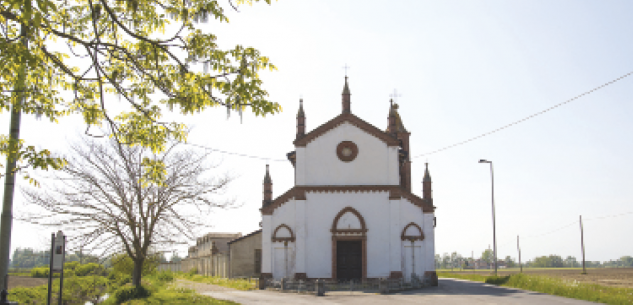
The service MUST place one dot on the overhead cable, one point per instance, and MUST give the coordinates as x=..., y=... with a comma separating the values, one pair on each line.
x=528, y=117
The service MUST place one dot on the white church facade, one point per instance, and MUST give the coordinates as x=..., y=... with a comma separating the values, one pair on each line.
x=351, y=214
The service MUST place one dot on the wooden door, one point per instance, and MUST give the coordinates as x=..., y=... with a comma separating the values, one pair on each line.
x=349, y=260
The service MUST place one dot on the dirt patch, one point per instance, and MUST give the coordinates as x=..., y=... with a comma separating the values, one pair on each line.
x=614, y=277
x=25, y=281
x=200, y=287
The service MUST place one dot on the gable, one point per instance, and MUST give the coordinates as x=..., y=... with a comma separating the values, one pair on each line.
x=369, y=160
x=352, y=119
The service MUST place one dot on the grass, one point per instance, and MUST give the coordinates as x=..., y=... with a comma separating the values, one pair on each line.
x=553, y=286
x=172, y=295
x=165, y=291
x=239, y=284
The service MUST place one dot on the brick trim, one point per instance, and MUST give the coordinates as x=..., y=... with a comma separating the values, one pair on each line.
x=352, y=119
x=342, y=234
x=396, y=275
x=301, y=276
x=363, y=228
x=395, y=192
x=347, y=144
x=412, y=237
x=283, y=239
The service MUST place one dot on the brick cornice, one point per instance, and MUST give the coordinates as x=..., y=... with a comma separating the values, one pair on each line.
x=349, y=118
x=395, y=192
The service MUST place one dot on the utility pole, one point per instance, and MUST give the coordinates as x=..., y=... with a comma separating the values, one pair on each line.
x=9, y=178
x=494, y=230
x=519, y=248
x=582, y=245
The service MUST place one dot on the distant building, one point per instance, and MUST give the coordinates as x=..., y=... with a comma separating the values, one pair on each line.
x=245, y=258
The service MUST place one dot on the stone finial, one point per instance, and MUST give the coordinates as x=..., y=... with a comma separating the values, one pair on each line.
x=347, y=107
x=268, y=188
x=301, y=121
x=427, y=193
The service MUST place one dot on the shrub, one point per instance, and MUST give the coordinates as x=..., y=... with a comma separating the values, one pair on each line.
x=124, y=264
x=70, y=266
x=118, y=279
x=165, y=276
x=127, y=293
x=86, y=269
x=39, y=272
x=193, y=271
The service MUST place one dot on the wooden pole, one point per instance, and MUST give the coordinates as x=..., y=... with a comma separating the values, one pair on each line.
x=582, y=245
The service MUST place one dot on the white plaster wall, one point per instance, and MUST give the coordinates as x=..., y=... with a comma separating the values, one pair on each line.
x=411, y=213
x=300, y=234
x=395, y=228
x=285, y=214
x=320, y=211
x=429, y=241
x=318, y=163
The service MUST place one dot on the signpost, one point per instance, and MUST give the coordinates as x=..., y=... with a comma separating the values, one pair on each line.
x=58, y=255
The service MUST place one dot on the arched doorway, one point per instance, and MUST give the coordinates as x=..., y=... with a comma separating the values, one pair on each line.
x=349, y=245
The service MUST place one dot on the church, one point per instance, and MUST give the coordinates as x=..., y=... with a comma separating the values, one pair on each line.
x=351, y=214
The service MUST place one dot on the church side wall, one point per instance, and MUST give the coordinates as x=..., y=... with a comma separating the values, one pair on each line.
x=318, y=163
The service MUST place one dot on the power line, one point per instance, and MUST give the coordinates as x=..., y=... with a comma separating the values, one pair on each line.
x=609, y=216
x=235, y=154
x=455, y=144
x=528, y=117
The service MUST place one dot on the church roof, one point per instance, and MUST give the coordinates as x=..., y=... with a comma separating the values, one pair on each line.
x=352, y=119
x=395, y=192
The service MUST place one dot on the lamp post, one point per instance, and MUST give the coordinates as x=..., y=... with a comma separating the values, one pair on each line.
x=494, y=231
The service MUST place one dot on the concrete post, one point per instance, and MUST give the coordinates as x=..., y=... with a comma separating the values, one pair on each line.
x=320, y=287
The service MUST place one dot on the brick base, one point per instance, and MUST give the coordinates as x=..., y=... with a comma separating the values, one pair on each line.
x=262, y=280
x=430, y=278
x=395, y=275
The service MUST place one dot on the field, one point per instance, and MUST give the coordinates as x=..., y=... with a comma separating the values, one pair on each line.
x=25, y=281
x=612, y=277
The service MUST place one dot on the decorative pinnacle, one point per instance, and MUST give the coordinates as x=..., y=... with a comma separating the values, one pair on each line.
x=267, y=177
x=427, y=176
x=301, y=113
x=346, y=88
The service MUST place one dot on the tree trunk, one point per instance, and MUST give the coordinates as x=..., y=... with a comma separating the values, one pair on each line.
x=138, y=272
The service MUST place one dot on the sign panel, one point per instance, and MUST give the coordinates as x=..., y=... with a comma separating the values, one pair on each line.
x=59, y=249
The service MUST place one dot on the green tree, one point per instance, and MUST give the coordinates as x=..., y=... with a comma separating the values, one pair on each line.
x=82, y=56
x=627, y=261
x=488, y=256
x=510, y=263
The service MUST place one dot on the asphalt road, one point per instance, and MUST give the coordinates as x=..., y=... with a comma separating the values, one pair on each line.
x=450, y=291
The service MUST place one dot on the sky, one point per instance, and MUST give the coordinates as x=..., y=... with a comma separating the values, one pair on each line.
x=462, y=69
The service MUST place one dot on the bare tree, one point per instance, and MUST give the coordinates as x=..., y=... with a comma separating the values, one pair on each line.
x=103, y=200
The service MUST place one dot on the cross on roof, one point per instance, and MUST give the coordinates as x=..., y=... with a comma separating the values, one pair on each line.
x=346, y=67
x=395, y=95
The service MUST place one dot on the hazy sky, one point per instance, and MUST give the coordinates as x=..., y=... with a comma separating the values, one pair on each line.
x=463, y=68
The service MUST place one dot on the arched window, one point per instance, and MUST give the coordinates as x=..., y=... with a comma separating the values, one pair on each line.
x=412, y=232
x=283, y=233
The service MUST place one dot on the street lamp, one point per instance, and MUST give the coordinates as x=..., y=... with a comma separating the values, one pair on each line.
x=494, y=231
